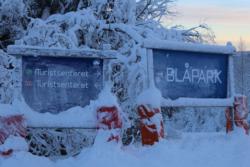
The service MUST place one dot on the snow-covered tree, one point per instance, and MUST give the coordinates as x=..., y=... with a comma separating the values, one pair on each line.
x=153, y=9
x=44, y=8
x=13, y=21
x=7, y=78
x=241, y=45
x=120, y=24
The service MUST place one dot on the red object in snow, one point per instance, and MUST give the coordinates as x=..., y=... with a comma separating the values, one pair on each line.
x=6, y=153
x=229, y=119
x=109, y=119
x=150, y=132
x=11, y=125
x=114, y=137
x=241, y=113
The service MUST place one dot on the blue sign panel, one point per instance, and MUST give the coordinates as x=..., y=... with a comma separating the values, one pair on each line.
x=52, y=84
x=190, y=74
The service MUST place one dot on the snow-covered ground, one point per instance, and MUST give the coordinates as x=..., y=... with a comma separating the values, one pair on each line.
x=188, y=150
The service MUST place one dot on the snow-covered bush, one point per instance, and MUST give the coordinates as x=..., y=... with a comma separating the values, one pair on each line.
x=195, y=119
x=13, y=21
x=122, y=25
x=152, y=9
x=7, y=79
x=59, y=142
x=70, y=24
x=44, y=8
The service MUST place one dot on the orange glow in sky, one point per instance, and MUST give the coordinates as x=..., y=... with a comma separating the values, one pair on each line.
x=229, y=19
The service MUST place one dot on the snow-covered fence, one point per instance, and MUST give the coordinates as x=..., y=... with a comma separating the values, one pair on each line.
x=56, y=142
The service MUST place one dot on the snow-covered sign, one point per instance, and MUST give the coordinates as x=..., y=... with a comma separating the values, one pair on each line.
x=53, y=81
x=191, y=74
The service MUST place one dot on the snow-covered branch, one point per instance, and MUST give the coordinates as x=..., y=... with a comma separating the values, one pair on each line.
x=153, y=9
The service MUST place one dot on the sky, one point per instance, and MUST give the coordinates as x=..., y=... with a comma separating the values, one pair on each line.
x=229, y=19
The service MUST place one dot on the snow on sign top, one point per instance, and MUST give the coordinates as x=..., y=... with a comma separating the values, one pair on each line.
x=181, y=46
x=60, y=52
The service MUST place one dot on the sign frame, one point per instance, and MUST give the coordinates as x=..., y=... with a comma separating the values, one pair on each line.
x=23, y=51
x=195, y=48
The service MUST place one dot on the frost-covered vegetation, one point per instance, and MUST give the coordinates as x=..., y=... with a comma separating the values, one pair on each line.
x=194, y=150
x=120, y=25
x=97, y=24
x=7, y=78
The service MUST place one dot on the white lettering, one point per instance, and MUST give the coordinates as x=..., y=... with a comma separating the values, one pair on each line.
x=202, y=77
x=187, y=76
x=193, y=75
x=210, y=76
x=217, y=76
x=176, y=76
x=55, y=73
x=170, y=75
